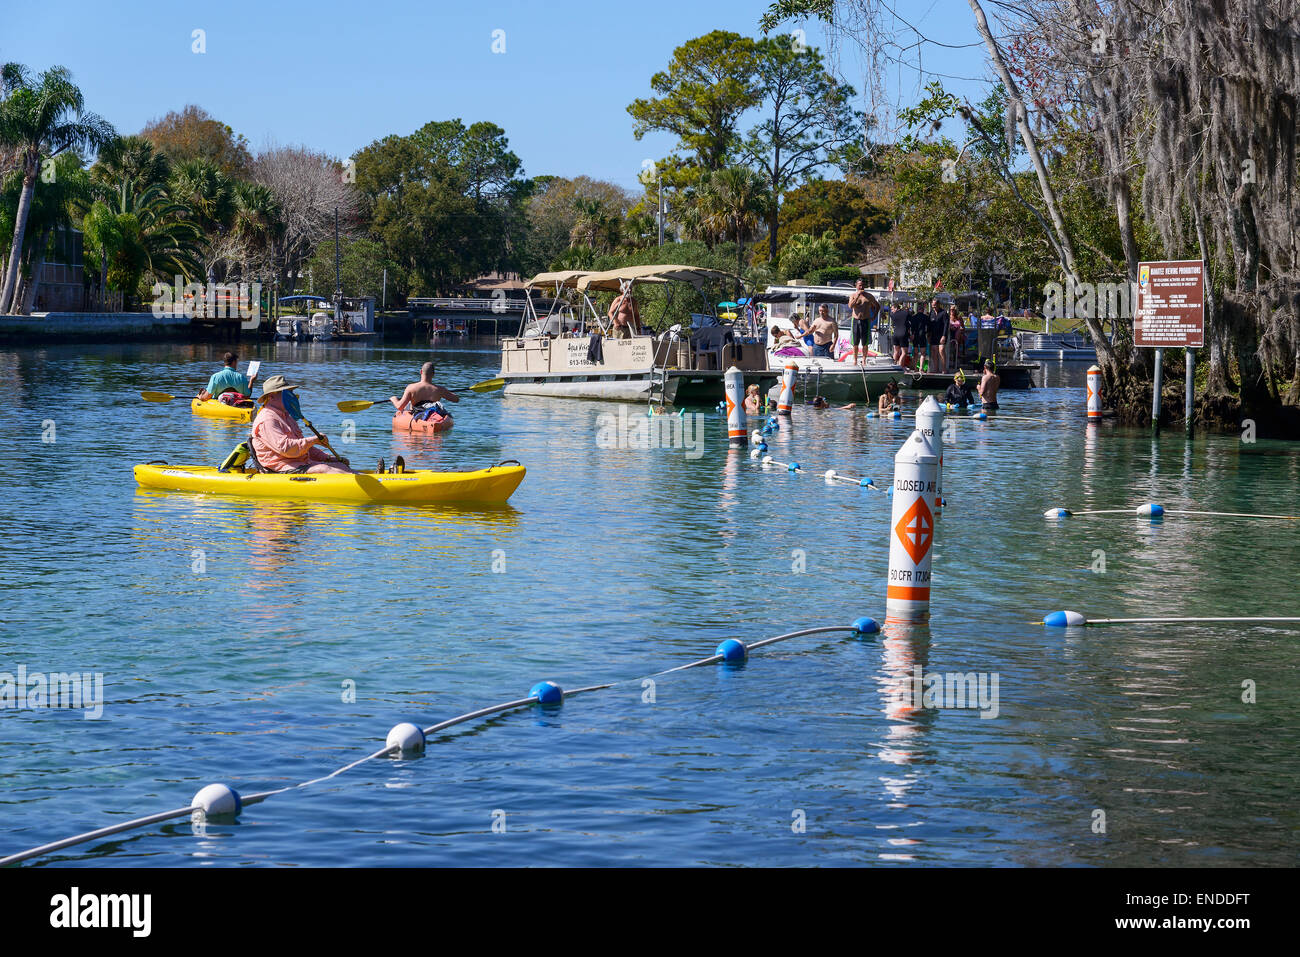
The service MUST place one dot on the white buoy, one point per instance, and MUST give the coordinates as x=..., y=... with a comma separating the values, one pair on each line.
x=1094, y=392
x=786, y=399
x=911, y=529
x=830, y=476
x=406, y=737
x=217, y=800
x=929, y=420
x=734, y=381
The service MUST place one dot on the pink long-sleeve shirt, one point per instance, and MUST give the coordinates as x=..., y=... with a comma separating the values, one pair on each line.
x=278, y=442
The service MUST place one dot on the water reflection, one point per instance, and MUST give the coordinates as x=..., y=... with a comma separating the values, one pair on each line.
x=905, y=652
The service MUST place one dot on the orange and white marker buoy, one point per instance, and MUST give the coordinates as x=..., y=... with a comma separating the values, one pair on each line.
x=734, y=382
x=929, y=421
x=1094, y=392
x=911, y=529
x=786, y=399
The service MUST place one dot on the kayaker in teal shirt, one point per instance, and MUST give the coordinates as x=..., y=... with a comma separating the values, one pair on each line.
x=228, y=380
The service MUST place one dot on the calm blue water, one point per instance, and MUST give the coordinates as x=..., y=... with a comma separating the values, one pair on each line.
x=618, y=563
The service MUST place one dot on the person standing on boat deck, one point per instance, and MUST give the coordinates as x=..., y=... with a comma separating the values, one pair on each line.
x=228, y=379
x=920, y=327
x=623, y=314
x=989, y=386
x=956, y=338
x=423, y=392
x=825, y=333
x=938, y=336
x=865, y=309
x=278, y=443
x=898, y=333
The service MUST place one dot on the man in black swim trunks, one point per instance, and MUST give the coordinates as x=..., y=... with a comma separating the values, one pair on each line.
x=938, y=335
x=898, y=332
x=920, y=323
x=865, y=309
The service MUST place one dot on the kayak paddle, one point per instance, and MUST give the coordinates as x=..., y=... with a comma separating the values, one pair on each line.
x=322, y=438
x=487, y=385
x=360, y=405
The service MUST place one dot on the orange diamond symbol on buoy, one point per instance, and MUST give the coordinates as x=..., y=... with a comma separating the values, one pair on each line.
x=916, y=530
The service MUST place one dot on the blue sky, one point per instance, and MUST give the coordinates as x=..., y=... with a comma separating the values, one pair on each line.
x=337, y=74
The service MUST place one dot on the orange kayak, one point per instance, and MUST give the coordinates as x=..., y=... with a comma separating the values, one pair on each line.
x=403, y=422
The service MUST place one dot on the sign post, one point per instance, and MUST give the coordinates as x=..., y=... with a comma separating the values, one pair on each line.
x=1170, y=313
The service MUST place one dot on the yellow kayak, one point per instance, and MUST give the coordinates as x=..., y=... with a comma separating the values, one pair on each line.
x=491, y=486
x=212, y=409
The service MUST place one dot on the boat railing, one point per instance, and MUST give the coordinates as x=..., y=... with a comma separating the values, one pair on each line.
x=495, y=304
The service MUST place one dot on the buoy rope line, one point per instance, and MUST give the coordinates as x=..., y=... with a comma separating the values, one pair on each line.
x=1070, y=619
x=997, y=416
x=1155, y=510
x=830, y=475
x=219, y=800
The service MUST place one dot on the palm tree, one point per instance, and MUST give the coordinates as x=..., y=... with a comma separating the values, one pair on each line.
x=202, y=187
x=35, y=119
x=732, y=202
x=640, y=231
x=53, y=209
x=595, y=226
x=133, y=234
x=257, y=222
x=133, y=159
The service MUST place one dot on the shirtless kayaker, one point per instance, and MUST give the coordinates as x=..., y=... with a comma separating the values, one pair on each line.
x=423, y=392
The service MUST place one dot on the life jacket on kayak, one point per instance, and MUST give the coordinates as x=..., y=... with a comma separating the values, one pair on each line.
x=233, y=398
x=242, y=453
x=426, y=410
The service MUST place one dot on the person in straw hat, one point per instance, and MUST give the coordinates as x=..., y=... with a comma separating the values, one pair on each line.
x=279, y=444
